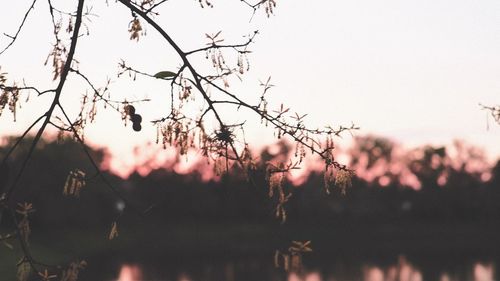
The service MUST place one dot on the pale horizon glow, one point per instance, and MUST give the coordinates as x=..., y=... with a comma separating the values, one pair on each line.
x=413, y=71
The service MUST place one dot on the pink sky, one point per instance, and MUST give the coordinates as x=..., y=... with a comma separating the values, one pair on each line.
x=414, y=71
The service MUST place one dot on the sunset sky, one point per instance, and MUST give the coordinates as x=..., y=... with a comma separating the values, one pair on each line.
x=414, y=71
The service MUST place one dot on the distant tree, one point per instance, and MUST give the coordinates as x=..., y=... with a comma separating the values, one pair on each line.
x=223, y=145
x=379, y=160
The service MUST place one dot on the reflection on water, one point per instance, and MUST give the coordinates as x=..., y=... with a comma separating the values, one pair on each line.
x=402, y=270
x=130, y=272
x=313, y=276
x=483, y=272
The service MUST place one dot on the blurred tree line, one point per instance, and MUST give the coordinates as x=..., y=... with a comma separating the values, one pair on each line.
x=393, y=185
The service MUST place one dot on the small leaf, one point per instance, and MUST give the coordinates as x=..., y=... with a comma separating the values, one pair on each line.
x=165, y=74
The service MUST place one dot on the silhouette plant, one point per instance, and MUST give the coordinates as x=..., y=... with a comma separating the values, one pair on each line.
x=223, y=145
x=494, y=112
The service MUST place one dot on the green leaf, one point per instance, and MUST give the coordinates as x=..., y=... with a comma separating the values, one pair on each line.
x=165, y=74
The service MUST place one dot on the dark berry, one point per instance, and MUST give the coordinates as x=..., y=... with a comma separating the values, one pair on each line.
x=137, y=127
x=136, y=118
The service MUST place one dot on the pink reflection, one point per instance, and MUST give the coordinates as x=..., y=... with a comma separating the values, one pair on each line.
x=130, y=273
x=184, y=277
x=374, y=274
x=483, y=272
x=403, y=271
x=445, y=277
x=313, y=276
x=407, y=272
x=294, y=277
x=416, y=276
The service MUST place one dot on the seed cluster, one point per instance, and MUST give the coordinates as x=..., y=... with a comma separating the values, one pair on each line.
x=135, y=118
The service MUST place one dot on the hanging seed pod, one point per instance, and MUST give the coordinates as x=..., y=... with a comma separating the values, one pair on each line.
x=136, y=118
x=137, y=127
x=129, y=109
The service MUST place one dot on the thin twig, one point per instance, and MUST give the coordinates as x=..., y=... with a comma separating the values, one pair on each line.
x=98, y=169
x=14, y=38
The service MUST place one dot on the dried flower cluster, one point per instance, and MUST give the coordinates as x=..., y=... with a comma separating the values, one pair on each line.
x=276, y=178
x=176, y=131
x=269, y=6
x=46, y=276
x=24, y=209
x=57, y=55
x=73, y=270
x=291, y=260
x=113, y=233
x=494, y=112
x=9, y=95
x=74, y=183
x=135, y=29
x=23, y=270
x=205, y=3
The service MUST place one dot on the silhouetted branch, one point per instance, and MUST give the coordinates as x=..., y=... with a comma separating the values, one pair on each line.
x=155, y=6
x=98, y=169
x=214, y=45
x=112, y=103
x=26, y=88
x=14, y=38
x=186, y=63
x=494, y=111
x=55, y=102
x=19, y=139
x=296, y=132
x=9, y=191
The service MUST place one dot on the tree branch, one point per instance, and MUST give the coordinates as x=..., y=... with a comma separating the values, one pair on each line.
x=14, y=38
x=55, y=101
